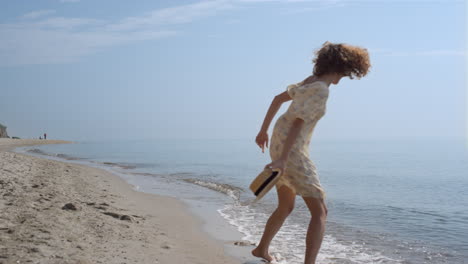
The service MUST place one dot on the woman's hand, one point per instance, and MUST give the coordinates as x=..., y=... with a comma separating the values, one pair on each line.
x=277, y=164
x=262, y=140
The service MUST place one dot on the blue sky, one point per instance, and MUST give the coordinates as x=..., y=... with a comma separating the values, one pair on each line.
x=209, y=69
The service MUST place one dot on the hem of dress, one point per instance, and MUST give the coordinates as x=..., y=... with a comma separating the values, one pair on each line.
x=320, y=194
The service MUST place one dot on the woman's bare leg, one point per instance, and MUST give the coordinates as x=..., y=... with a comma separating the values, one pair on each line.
x=316, y=229
x=286, y=198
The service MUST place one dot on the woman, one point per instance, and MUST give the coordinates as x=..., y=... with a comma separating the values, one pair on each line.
x=289, y=148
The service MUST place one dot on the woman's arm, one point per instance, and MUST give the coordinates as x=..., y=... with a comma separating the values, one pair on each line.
x=262, y=137
x=273, y=109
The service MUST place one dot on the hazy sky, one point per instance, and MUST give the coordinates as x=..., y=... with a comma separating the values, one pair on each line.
x=209, y=69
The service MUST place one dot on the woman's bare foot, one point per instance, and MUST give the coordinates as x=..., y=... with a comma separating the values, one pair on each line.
x=264, y=255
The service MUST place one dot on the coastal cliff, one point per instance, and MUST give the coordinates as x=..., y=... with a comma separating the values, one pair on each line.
x=3, y=132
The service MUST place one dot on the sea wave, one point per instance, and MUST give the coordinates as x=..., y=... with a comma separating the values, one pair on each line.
x=224, y=188
x=56, y=155
x=122, y=165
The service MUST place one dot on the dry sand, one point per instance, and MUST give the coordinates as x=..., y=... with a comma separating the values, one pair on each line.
x=57, y=212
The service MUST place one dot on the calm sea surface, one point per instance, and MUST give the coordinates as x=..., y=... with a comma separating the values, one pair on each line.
x=388, y=201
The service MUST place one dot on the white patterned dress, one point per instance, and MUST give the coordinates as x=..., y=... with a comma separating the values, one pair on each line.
x=308, y=103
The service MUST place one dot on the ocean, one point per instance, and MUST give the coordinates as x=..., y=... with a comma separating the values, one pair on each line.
x=395, y=201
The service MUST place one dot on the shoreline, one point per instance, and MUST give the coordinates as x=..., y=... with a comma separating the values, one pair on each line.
x=63, y=212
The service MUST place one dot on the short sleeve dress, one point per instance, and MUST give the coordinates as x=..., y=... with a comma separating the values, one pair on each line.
x=308, y=103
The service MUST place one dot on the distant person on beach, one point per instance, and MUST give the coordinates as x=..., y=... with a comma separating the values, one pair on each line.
x=45, y=136
x=40, y=137
x=289, y=147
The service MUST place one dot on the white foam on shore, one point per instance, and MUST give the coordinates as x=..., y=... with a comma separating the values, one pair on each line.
x=290, y=240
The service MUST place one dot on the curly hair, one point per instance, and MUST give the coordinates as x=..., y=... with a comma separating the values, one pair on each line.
x=344, y=59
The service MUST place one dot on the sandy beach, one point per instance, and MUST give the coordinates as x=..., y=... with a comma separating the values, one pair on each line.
x=58, y=212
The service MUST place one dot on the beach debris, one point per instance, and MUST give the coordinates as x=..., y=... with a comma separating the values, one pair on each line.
x=9, y=230
x=166, y=246
x=115, y=215
x=126, y=217
x=70, y=206
x=137, y=216
x=42, y=198
x=101, y=206
x=44, y=230
x=36, y=250
x=119, y=216
x=243, y=243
